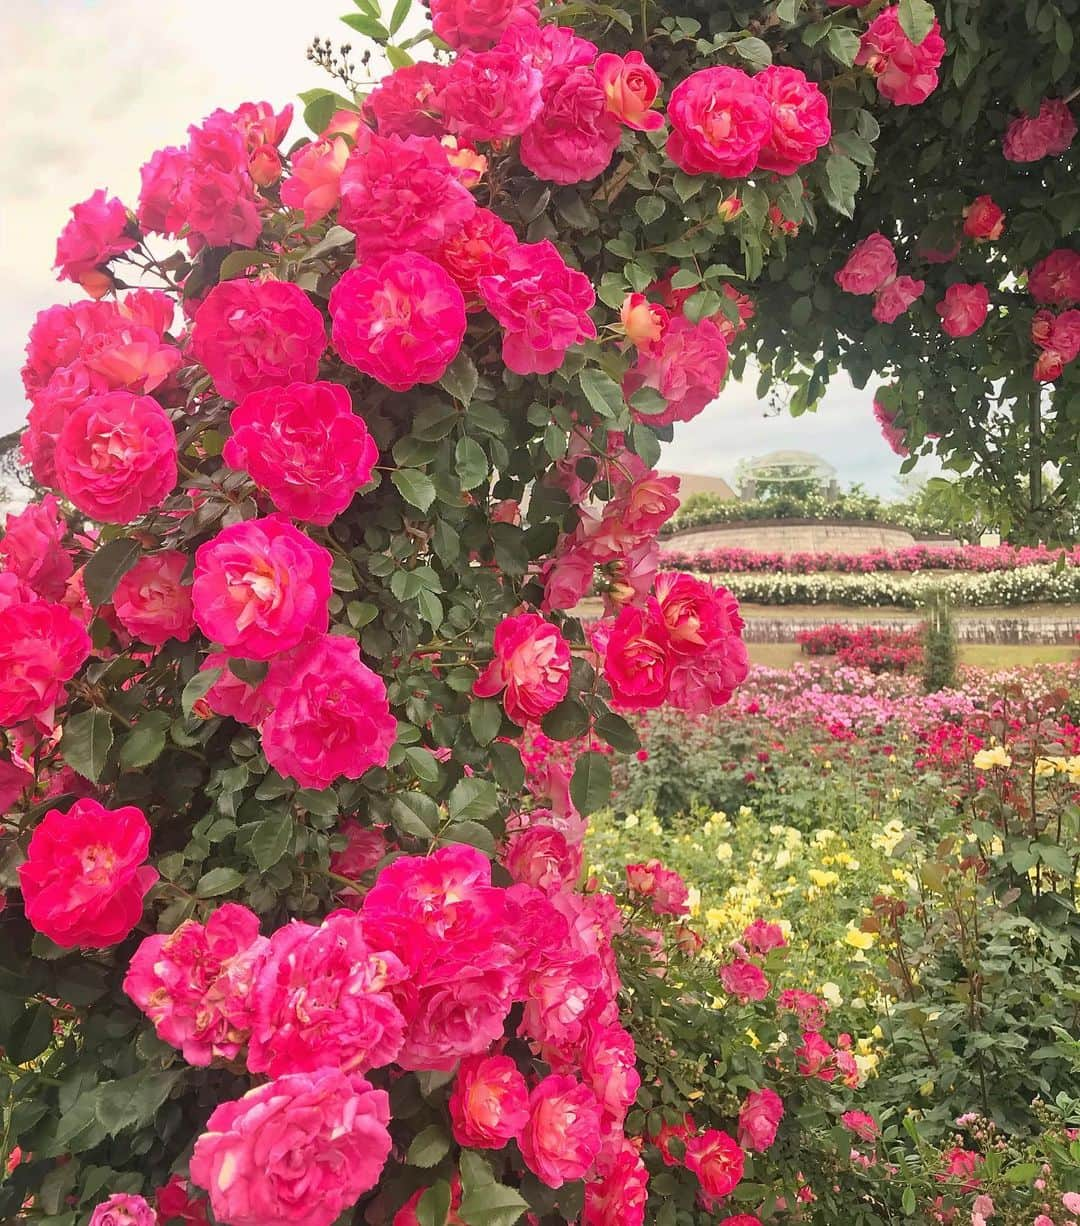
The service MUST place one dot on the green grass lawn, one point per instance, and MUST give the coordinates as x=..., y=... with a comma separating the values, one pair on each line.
x=980, y=655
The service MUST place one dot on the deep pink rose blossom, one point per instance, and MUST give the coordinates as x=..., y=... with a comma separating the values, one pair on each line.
x=401, y=321
x=479, y=249
x=893, y=300
x=637, y=663
x=305, y=446
x=32, y=548
x=562, y=1138
x=490, y=1102
x=490, y=95
x=542, y=857
x=531, y=667
x=96, y=232
x=477, y=24
x=720, y=121
x=619, y=1196
x=759, y=1118
x=407, y=103
x=123, y=1209
x=260, y=587
x=297, y=1150
x=1047, y=134
x=983, y=219
x=575, y=135
x=255, y=334
x=663, y=887
x=744, y=980
x=964, y=309
x=42, y=646
x=717, y=1161
x=687, y=366
x=799, y=114
x=231, y=695
x=152, y=602
x=906, y=73
x=1055, y=279
x=84, y=877
x=871, y=264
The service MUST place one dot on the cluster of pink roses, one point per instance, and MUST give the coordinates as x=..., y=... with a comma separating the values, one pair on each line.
x=1055, y=282
x=1047, y=134
x=423, y=976
x=871, y=268
x=906, y=72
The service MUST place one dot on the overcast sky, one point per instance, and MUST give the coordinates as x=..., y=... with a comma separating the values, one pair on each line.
x=89, y=88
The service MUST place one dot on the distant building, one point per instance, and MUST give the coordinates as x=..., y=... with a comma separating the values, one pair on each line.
x=784, y=468
x=695, y=483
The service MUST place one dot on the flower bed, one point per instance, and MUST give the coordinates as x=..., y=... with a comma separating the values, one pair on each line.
x=736, y=560
x=870, y=647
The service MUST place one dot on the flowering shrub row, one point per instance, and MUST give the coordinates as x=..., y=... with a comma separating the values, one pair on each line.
x=868, y=647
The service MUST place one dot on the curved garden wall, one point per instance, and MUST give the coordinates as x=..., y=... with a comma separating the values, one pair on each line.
x=796, y=536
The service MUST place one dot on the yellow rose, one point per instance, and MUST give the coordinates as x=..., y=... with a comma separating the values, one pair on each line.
x=987, y=759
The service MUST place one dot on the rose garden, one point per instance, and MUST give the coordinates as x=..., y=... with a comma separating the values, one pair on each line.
x=391, y=832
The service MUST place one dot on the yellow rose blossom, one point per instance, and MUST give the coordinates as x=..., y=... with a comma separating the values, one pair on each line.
x=724, y=852
x=1047, y=766
x=693, y=900
x=754, y=1040
x=858, y=939
x=987, y=759
x=631, y=821
x=831, y=992
x=823, y=878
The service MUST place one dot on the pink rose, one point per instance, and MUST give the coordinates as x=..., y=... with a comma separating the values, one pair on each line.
x=748, y=1219
x=891, y=433
x=332, y=718
x=983, y=219
x=542, y=305
x=1048, y=134
x=255, y=334
x=643, y=321
x=608, y=1066
x=744, y=980
x=869, y=267
x=407, y=102
x=811, y=1010
x=305, y=446
x=906, y=72
x=123, y=1209
x=531, y=664
x=1071, y=1201
x=260, y=587
x=175, y=1201
x=314, y=183
x=15, y=778
x=1055, y=279
x=490, y=1102
x=687, y=367
x=95, y=234
x=964, y=309
x=720, y=121
x=763, y=937
x=116, y=456
x=696, y=613
x=477, y=24
x=479, y=249
x=637, y=664
x=630, y=87
x=618, y=1197
x=542, y=857
x=363, y=850
x=862, y=1125
x=84, y=879
x=231, y=695
x=32, y=547
x=893, y=300
x=42, y=646
x=321, y=999
x=296, y=1150
x=400, y=195
x=575, y=136
x=547, y=47
x=663, y=887
x=490, y=95
x=401, y=321
x=567, y=578
x=195, y=983
x=562, y=1138
x=152, y=603
x=717, y=1161
x=816, y=1058
x=759, y=1118
x=799, y=120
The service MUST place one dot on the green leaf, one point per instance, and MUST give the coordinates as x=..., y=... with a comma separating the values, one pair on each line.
x=485, y=720
x=431, y=608
x=414, y=813
x=108, y=566
x=141, y=747
x=907, y=1201
x=1022, y=1172
x=433, y=1208
x=461, y=378
x=567, y=721
x=618, y=733
x=788, y=10
x=135, y=1100
x=196, y=688
x=843, y=45
x=755, y=51
x=429, y=1147
x=218, y=881
x=30, y=1034
x=423, y=762
x=492, y=1204
x=507, y=767
x=472, y=833
x=342, y=577
x=414, y=486
x=470, y=463
x=237, y=263
x=650, y=208
x=601, y=391
x=398, y=56
x=270, y=840
x=473, y=799
x=645, y=444
x=86, y=742
x=916, y=19
x=367, y=26
x=397, y=17
x=590, y=786
x=841, y=183
x=648, y=400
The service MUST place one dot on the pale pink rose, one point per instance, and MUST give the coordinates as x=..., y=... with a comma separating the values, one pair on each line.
x=195, y=984
x=401, y=321
x=1048, y=134
x=869, y=267
x=575, y=136
x=490, y=1102
x=799, y=118
x=759, y=1118
x=687, y=367
x=490, y=95
x=407, y=103
x=1055, y=279
x=123, y=1209
x=231, y=695
x=255, y=334
x=906, y=72
x=720, y=121
x=97, y=231
x=296, y=1150
x=261, y=586
x=1071, y=1201
x=637, y=660
x=964, y=309
x=542, y=857
x=983, y=219
x=477, y=24
x=322, y=997
x=314, y=183
x=330, y=717
x=893, y=300
x=305, y=446
x=716, y=1160
x=630, y=87
x=116, y=456
x=618, y=1197
x=542, y=305
x=32, y=548
x=744, y=980
x=152, y=602
x=531, y=667
x=562, y=1138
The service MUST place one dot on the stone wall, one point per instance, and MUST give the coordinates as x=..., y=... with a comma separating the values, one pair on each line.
x=973, y=627
x=794, y=536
